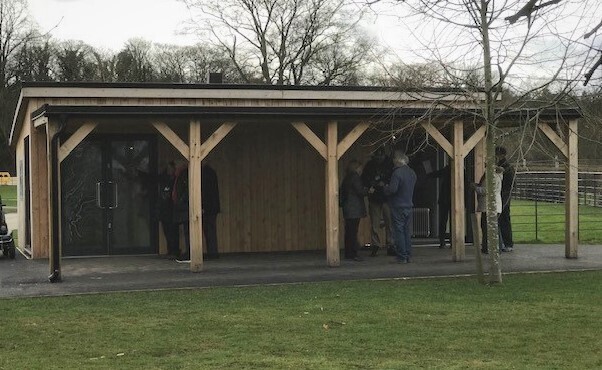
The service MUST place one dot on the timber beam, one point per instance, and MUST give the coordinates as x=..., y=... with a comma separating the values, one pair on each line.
x=173, y=138
x=77, y=137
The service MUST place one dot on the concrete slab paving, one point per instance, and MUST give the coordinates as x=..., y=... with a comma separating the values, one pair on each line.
x=28, y=278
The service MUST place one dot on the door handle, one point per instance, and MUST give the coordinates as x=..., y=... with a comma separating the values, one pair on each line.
x=115, y=195
x=98, y=195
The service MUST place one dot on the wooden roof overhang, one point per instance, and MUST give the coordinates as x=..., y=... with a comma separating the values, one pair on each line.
x=247, y=100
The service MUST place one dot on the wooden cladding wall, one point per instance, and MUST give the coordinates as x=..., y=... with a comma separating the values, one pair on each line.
x=271, y=189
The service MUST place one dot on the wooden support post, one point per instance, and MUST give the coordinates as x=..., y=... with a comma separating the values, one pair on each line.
x=333, y=256
x=458, y=210
x=194, y=198
x=572, y=195
x=53, y=259
x=571, y=202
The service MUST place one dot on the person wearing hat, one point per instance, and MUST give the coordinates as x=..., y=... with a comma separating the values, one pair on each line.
x=507, y=184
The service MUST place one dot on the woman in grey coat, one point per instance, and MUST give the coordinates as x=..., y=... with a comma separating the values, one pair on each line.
x=352, y=195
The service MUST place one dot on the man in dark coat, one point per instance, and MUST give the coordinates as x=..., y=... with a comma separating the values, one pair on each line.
x=181, y=209
x=165, y=209
x=400, y=192
x=376, y=174
x=505, y=223
x=352, y=195
x=211, y=208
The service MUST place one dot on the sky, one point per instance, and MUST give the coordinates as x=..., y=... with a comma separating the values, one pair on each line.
x=109, y=24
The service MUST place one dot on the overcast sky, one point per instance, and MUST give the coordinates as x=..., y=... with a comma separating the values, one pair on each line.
x=109, y=23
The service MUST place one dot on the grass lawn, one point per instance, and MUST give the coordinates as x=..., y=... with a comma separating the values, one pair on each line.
x=9, y=197
x=532, y=321
x=549, y=218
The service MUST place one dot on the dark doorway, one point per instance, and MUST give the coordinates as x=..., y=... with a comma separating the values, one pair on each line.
x=108, y=193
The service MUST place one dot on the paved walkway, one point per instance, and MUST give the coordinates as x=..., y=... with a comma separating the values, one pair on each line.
x=21, y=277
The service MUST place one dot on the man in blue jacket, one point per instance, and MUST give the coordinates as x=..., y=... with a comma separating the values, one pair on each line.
x=400, y=191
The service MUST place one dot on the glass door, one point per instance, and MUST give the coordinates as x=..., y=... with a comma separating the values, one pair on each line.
x=82, y=212
x=132, y=190
x=107, y=191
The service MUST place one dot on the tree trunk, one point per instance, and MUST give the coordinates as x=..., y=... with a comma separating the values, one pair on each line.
x=495, y=270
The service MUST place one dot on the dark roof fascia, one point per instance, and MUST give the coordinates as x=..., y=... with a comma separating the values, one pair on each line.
x=182, y=86
x=78, y=110
x=546, y=113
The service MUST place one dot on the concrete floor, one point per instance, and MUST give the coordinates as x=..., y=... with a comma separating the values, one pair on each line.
x=26, y=278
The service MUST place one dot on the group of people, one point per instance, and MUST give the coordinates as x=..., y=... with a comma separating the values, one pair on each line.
x=173, y=210
x=503, y=181
x=389, y=185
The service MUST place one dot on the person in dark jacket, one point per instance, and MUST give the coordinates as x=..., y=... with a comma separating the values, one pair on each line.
x=505, y=223
x=166, y=181
x=352, y=195
x=400, y=192
x=211, y=208
x=180, y=209
x=376, y=174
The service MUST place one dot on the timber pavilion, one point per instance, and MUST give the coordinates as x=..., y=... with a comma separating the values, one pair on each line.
x=279, y=152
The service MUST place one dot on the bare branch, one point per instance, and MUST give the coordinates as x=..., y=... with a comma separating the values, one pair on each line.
x=529, y=8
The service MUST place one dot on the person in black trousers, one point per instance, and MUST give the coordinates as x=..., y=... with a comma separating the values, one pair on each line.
x=165, y=209
x=505, y=223
x=181, y=209
x=352, y=195
x=376, y=174
x=211, y=208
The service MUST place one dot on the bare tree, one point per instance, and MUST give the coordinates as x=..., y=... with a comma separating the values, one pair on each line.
x=75, y=62
x=16, y=30
x=34, y=61
x=530, y=7
x=476, y=46
x=282, y=41
x=134, y=62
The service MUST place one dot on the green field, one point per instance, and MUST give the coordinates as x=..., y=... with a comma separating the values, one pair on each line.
x=547, y=321
x=541, y=222
x=9, y=197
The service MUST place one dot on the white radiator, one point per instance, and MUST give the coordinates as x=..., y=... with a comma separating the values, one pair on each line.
x=421, y=222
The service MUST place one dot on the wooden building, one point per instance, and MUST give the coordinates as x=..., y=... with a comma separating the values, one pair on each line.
x=279, y=152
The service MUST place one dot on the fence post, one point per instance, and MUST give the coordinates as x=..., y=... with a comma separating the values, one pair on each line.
x=595, y=180
x=536, y=197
